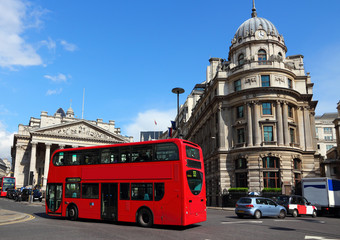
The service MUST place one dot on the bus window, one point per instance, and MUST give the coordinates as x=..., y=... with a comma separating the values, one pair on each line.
x=125, y=155
x=72, y=158
x=192, y=152
x=72, y=190
x=166, y=151
x=125, y=191
x=90, y=190
x=159, y=191
x=195, y=179
x=141, y=191
x=141, y=153
x=58, y=159
x=91, y=157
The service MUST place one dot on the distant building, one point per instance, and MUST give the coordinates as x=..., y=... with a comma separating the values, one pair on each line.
x=5, y=167
x=34, y=143
x=331, y=165
x=254, y=115
x=150, y=135
x=325, y=132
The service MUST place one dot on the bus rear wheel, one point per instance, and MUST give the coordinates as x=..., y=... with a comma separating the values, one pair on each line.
x=72, y=213
x=145, y=218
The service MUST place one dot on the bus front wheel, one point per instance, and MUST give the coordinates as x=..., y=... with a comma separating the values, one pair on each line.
x=144, y=218
x=72, y=213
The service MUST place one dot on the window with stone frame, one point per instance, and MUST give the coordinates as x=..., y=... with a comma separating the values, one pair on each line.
x=290, y=111
x=240, y=59
x=241, y=179
x=290, y=83
x=271, y=173
x=297, y=179
x=240, y=112
x=241, y=163
x=267, y=109
x=262, y=56
x=292, y=135
x=268, y=134
x=297, y=164
x=240, y=135
x=237, y=85
x=265, y=80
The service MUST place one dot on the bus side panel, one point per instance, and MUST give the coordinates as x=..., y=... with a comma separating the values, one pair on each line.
x=89, y=208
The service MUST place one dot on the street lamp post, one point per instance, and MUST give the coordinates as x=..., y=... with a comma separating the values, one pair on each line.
x=178, y=91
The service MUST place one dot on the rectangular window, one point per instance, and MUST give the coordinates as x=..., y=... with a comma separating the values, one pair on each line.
x=271, y=180
x=290, y=83
x=72, y=190
x=125, y=191
x=290, y=111
x=192, y=152
x=90, y=190
x=141, y=191
x=166, y=151
x=240, y=135
x=109, y=155
x=125, y=155
x=237, y=85
x=91, y=157
x=268, y=133
x=240, y=112
x=328, y=138
x=266, y=108
x=141, y=153
x=159, y=191
x=292, y=135
x=265, y=81
x=327, y=130
x=241, y=179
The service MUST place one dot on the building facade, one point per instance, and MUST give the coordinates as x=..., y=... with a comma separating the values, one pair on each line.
x=5, y=168
x=34, y=143
x=325, y=132
x=254, y=115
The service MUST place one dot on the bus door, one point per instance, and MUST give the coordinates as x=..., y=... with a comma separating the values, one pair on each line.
x=54, y=194
x=109, y=201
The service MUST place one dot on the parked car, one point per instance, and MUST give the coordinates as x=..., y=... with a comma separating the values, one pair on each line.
x=11, y=193
x=27, y=192
x=258, y=207
x=297, y=205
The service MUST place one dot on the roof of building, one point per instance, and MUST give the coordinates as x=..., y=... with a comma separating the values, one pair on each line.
x=327, y=116
x=255, y=23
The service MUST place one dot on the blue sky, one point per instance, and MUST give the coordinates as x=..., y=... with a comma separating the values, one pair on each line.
x=128, y=55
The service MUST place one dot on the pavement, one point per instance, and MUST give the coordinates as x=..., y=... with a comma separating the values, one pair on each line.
x=9, y=217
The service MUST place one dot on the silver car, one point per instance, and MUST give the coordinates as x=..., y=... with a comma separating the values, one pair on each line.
x=258, y=207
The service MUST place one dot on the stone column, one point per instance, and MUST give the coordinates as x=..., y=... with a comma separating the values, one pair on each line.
x=285, y=124
x=301, y=129
x=279, y=123
x=257, y=129
x=18, y=172
x=308, y=131
x=33, y=164
x=250, y=126
x=47, y=163
x=221, y=128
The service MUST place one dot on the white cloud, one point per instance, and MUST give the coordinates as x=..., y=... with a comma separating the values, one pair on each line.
x=53, y=92
x=68, y=46
x=145, y=121
x=6, y=141
x=49, y=43
x=58, y=78
x=14, y=19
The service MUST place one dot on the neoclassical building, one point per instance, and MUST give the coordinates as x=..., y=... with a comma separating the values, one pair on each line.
x=254, y=115
x=34, y=143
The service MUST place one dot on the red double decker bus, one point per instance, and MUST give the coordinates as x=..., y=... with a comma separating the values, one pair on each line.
x=154, y=182
x=6, y=183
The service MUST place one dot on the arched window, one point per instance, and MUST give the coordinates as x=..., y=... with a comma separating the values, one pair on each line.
x=262, y=56
x=271, y=177
x=240, y=59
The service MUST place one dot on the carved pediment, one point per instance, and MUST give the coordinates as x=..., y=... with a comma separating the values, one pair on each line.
x=80, y=129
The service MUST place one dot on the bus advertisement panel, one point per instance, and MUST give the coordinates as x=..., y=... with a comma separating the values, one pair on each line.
x=5, y=184
x=154, y=182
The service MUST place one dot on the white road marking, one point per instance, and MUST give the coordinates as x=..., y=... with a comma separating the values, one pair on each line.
x=241, y=222
x=319, y=238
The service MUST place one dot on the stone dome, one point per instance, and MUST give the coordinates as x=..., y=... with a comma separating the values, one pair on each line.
x=250, y=26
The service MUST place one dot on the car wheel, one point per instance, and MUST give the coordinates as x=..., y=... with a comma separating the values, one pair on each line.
x=257, y=214
x=295, y=213
x=282, y=214
x=240, y=215
x=72, y=213
x=144, y=218
x=314, y=214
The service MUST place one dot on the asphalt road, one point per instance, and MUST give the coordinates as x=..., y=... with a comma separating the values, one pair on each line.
x=221, y=224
